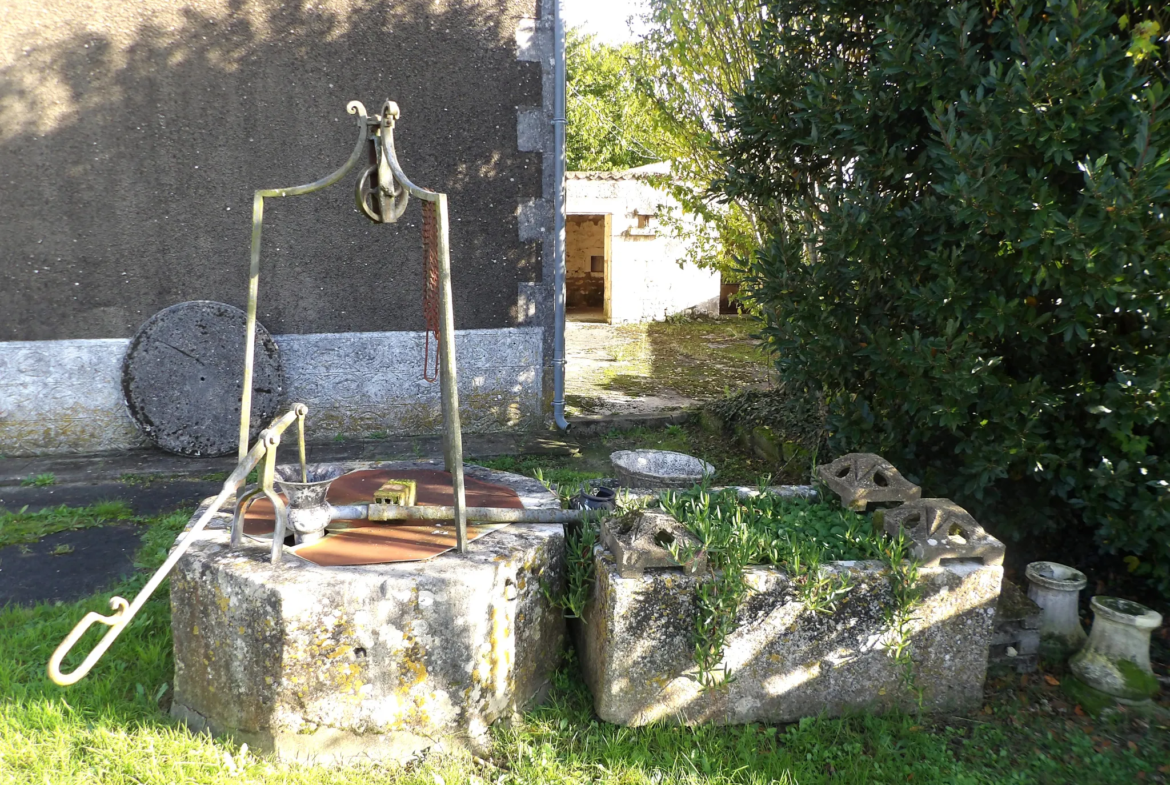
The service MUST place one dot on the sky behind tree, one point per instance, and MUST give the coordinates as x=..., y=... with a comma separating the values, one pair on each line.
x=604, y=18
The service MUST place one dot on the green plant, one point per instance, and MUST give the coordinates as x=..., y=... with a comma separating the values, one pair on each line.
x=695, y=58
x=902, y=569
x=62, y=549
x=969, y=253
x=610, y=124
x=797, y=534
x=579, y=542
x=40, y=480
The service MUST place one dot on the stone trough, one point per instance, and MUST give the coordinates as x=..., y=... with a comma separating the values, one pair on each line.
x=330, y=665
x=787, y=661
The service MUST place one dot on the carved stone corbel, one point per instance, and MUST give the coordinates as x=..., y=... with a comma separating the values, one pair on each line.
x=943, y=531
x=862, y=477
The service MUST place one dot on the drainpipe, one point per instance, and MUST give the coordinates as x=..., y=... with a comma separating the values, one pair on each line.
x=558, y=123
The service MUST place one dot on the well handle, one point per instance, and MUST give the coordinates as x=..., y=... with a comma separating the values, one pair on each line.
x=124, y=611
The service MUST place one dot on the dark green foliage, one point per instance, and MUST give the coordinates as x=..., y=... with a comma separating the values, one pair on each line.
x=969, y=251
x=796, y=418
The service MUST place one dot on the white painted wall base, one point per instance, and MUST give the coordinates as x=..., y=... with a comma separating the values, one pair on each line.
x=66, y=396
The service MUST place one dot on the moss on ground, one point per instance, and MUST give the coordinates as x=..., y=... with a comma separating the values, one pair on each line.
x=691, y=360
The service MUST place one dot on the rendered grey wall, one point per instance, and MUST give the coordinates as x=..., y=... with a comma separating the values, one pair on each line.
x=133, y=133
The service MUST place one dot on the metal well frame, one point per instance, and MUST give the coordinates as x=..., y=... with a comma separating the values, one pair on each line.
x=382, y=194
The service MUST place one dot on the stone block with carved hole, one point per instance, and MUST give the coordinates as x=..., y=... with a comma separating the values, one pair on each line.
x=642, y=541
x=401, y=492
x=860, y=478
x=376, y=663
x=943, y=532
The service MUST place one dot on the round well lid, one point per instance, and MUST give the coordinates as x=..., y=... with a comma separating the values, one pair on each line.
x=183, y=377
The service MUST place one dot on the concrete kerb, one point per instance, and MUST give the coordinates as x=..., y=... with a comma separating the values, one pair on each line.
x=112, y=466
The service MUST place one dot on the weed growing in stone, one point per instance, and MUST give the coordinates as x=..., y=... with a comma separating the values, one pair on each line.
x=903, y=572
x=796, y=534
x=40, y=480
x=579, y=542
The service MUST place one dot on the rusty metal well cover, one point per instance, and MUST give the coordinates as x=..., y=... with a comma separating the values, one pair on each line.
x=352, y=543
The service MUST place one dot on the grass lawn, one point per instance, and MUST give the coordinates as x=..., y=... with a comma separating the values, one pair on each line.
x=113, y=727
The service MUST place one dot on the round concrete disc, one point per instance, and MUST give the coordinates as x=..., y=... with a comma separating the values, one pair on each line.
x=183, y=376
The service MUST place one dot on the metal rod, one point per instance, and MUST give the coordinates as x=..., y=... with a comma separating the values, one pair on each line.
x=558, y=123
x=396, y=512
x=452, y=428
x=250, y=327
x=355, y=108
x=301, y=441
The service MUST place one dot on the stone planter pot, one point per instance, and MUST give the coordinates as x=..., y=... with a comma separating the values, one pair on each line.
x=1056, y=589
x=1116, y=658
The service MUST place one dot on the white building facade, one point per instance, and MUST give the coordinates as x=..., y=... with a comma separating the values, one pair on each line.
x=621, y=264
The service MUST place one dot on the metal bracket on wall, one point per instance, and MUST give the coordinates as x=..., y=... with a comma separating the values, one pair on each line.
x=383, y=192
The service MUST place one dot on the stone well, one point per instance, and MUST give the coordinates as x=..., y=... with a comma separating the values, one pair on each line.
x=787, y=661
x=329, y=665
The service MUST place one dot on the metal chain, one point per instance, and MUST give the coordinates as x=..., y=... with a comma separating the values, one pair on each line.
x=430, y=233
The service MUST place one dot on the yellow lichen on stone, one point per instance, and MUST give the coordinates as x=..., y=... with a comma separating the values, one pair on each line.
x=412, y=668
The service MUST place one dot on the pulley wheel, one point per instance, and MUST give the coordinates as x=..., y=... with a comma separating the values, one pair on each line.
x=183, y=377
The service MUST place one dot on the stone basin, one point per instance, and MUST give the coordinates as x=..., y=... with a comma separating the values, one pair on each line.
x=659, y=468
x=333, y=665
x=787, y=661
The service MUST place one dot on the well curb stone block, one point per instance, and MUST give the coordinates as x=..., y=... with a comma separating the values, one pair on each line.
x=339, y=664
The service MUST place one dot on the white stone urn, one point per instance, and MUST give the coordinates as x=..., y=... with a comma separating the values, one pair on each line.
x=1116, y=658
x=1056, y=589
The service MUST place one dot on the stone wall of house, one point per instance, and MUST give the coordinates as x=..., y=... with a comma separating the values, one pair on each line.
x=133, y=134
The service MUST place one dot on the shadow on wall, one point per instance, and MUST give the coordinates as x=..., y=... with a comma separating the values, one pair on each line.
x=132, y=136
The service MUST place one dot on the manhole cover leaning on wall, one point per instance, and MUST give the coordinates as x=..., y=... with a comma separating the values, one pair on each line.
x=182, y=378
